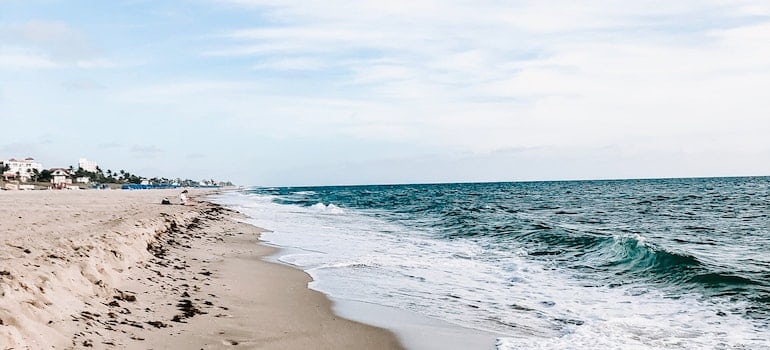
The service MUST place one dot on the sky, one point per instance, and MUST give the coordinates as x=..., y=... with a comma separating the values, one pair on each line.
x=289, y=93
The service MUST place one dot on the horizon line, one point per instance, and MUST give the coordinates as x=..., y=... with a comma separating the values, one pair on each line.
x=514, y=181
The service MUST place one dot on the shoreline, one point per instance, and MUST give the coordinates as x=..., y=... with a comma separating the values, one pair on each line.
x=113, y=269
x=414, y=330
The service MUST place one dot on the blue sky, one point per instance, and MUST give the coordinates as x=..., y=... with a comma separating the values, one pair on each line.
x=270, y=92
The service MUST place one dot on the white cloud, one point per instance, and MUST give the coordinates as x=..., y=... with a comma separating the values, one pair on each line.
x=488, y=75
x=146, y=151
x=291, y=64
x=15, y=58
x=57, y=39
x=46, y=44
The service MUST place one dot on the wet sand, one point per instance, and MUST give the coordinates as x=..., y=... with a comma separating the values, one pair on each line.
x=115, y=269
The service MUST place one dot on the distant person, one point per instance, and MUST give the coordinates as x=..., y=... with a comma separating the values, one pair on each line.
x=183, y=198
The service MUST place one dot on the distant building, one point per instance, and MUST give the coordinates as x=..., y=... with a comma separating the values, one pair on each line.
x=61, y=176
x=21, y=170
x=87, y=165
x=83, y=180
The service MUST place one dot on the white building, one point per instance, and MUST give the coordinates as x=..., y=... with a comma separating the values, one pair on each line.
x=60, y=176
x=83, y=180
x=87, y=165
x=21, y=170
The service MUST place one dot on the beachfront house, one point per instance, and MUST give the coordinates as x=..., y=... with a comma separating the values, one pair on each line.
x=21, y=170
x=61, y=176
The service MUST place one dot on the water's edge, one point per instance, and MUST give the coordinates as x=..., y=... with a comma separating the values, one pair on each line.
x=415, y=331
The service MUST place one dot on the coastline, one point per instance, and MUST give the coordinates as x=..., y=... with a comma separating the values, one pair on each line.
x=414, y=330
x=115, y=269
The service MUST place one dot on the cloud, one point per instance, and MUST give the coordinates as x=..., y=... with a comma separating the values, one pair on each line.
x=110, y=145
x=291, y=64
x=57, y=39
x=48, y=44
x=82, y=85
x=163, y=92
x=196, y=156
x=146, y=151
x=488, y=75
x=17, y=58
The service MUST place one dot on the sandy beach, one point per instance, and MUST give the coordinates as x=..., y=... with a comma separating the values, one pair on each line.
x=116, y=269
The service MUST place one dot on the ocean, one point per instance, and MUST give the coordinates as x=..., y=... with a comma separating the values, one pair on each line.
x=618, y=264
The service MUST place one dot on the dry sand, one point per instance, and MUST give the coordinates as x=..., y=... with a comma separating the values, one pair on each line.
x=115, y=269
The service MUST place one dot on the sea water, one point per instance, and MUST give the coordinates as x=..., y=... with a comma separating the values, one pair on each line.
x=626, y=264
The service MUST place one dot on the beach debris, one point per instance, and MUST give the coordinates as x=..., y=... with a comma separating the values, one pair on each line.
x=187, y=307
x=156, y=249
x=132, y=324
x=188, y=310
x=124, y=296
x=157, y=324
x=88, y=315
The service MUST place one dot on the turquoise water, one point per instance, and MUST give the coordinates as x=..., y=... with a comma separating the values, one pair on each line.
x=670, y=263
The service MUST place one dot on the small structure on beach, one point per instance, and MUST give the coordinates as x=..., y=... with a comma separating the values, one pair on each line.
x=60, y=177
